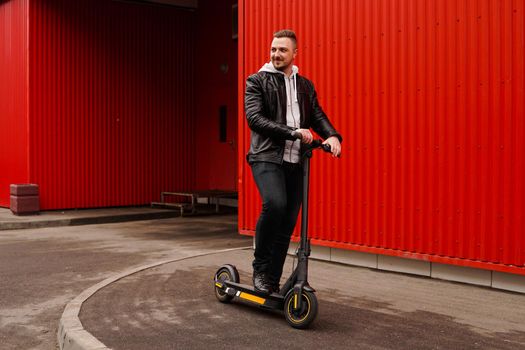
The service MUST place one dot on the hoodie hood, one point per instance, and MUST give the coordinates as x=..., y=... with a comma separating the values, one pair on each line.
x=268, y=67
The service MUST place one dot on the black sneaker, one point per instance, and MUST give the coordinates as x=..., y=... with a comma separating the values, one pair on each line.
x=273, y=285
x=260, y=284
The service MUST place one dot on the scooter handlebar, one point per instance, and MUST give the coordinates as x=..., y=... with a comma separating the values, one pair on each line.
x=319, y=144
x=315, y=143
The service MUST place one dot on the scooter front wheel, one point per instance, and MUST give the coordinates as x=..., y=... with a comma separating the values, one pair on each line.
x=304, y=316
x=225, y=273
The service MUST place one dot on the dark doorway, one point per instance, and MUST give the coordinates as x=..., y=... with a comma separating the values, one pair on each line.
x=216, y=94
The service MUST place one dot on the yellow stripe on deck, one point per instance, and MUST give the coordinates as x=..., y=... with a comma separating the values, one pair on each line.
x=253, y=298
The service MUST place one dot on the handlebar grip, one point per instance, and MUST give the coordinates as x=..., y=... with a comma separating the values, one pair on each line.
x=315, y=143
x=319, y=144
x=296, y=135
x=326, y=148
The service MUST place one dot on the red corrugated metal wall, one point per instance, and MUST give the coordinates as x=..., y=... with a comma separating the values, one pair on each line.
x=13, y=95
x=429, y=97
x=111, y=91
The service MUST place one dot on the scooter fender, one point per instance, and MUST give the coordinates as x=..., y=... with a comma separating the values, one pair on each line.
x=308, y=288
x=297, y=290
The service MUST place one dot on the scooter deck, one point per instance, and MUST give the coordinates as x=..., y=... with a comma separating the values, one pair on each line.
x=248, y=293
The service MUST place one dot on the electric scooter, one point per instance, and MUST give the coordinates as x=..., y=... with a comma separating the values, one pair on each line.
x=296, y=297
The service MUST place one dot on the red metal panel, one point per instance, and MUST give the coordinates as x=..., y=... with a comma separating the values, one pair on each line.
x=111, y=90
x=429, y=97
x=13, y=95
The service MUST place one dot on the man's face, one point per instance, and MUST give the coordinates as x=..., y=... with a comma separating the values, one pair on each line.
x=282, y=53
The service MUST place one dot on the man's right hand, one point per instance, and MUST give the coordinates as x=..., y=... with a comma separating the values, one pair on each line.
x=306, y=135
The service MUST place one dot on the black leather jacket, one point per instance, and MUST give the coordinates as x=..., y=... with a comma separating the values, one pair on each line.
x=265, y=106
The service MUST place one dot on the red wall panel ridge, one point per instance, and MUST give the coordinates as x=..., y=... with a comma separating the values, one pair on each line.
x=429, y=96
x=14, y=41
x=111, y=102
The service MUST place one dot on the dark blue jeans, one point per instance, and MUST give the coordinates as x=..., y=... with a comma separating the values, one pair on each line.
x=280, y=187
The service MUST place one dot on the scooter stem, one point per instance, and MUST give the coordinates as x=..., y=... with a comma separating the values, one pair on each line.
x=304, y=216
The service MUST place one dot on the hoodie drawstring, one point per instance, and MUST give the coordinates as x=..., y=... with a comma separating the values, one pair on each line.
x=289, y=102
x=295, y=87
x=292, y=148
x=268, y=67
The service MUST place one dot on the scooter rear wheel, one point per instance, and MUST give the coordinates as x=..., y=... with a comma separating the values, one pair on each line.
x=303, y=317
x=225, y=273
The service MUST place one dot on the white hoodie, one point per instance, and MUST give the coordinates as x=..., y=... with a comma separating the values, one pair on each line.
x=293, y=114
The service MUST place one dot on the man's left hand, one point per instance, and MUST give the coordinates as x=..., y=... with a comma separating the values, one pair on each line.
x=335, y=145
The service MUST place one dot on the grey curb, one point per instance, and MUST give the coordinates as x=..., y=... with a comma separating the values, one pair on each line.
x=104, y=219
x=71, y=333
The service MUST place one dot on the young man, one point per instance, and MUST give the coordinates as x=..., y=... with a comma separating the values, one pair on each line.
x=278, y=101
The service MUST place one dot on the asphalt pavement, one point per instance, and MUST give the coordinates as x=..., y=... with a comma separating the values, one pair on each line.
x=42, y=269
x=172, y=306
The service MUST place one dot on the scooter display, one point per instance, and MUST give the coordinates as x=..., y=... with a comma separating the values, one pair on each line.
x=296, y=298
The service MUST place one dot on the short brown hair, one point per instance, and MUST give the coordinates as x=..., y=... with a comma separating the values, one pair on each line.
x=286, y=33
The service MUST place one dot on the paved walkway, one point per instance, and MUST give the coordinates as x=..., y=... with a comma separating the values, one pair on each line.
x=42, y=269
x=173, y=307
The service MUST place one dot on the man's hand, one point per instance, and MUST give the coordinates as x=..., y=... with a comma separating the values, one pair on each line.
x=306, y=135
x=335, y=145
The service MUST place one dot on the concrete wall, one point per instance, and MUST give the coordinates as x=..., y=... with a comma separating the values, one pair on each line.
x=486, y=278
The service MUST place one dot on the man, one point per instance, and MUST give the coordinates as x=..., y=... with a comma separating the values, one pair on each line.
x=280, y=105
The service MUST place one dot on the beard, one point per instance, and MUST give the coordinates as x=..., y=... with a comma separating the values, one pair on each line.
x=280, y=64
